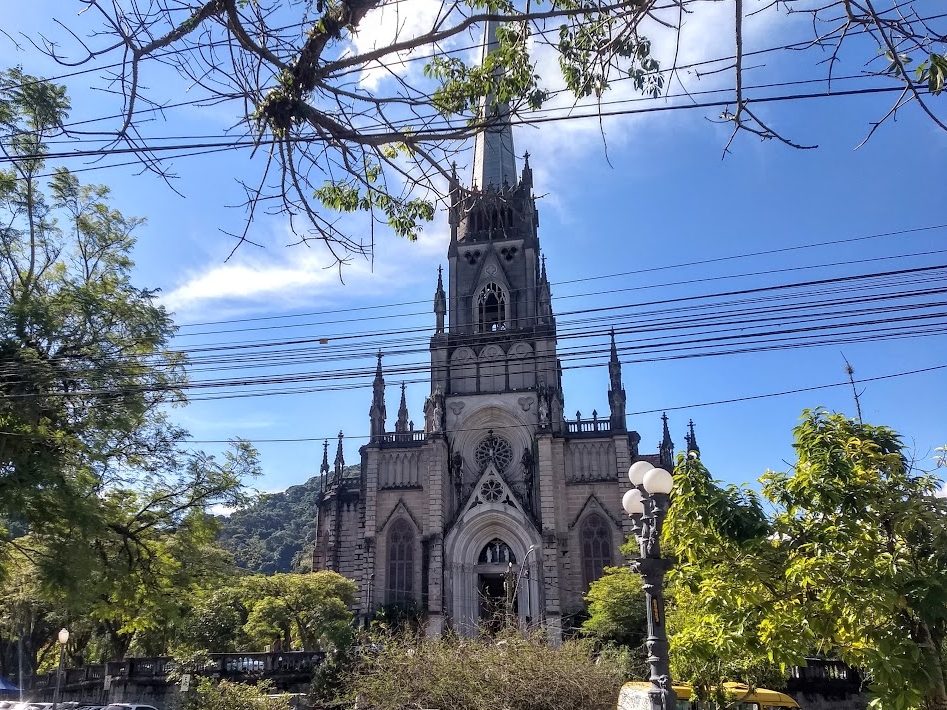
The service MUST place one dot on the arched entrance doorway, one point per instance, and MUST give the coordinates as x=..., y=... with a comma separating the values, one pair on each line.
x=493, y=571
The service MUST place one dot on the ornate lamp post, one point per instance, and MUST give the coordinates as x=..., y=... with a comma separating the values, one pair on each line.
x=63, y=640
x=647, y=503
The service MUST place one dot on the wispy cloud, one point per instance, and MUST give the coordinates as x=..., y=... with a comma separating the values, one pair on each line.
x=279, y=278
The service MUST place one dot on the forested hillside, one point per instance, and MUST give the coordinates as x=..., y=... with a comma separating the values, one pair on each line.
x=276, y=532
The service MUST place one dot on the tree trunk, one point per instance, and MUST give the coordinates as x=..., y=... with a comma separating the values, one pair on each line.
x=936, y=698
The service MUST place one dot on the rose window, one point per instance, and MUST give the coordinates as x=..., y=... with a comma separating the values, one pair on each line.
x=491, y=491
x=493, y=449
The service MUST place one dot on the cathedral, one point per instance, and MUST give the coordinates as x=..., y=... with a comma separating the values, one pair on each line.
x=498, y=503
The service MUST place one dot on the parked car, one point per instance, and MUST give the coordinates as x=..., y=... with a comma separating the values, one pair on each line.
x=129, y=706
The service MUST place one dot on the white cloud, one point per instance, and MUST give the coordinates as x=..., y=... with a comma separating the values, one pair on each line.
x=391, y=23
x=286, y=278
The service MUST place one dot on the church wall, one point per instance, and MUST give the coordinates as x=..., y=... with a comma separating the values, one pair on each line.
x=410, y=505
x=400, y=468
x=350, y=541
x=590, y=460
x=582, y=500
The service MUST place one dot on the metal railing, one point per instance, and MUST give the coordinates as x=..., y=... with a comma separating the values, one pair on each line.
x=219, y=665
x=588, y=426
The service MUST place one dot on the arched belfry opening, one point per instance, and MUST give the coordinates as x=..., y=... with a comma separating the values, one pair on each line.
x=491, y=309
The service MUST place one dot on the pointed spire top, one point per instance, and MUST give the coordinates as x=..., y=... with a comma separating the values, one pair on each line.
x=440, y=277
x=667, y=446
x=691, y=440
x=401, y=426
x=325, y=457
x=378, y=367
x=613, y=356
x=544, y=268
x=494, y=161
x=339, y=458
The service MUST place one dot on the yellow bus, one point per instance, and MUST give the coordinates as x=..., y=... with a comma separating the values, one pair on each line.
x=634, y=696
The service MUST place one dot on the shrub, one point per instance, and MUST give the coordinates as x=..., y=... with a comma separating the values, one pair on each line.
x=225, y=695
x=513, y=672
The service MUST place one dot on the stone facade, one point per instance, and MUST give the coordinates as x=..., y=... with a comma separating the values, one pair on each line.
x=497, y=499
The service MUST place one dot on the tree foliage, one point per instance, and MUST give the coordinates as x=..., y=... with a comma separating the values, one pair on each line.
x=275, y=531
x=851, y=560
x=225, y=695
x=105, y=508
x=307, y=612
x=616, y=608
x=324, y=143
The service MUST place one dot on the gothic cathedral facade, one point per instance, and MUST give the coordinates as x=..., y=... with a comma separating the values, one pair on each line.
x=497, y=487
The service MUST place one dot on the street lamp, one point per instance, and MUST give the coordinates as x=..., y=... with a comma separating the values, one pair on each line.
x=63, y=640
x=647, y=503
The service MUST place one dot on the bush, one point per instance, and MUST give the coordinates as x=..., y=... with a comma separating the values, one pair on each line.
x=233, y=696
x=513, y=672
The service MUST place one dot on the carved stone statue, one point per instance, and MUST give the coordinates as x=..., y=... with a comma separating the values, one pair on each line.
x=528, y=462
x=438, y=409
x=457, y=474
x=543, y=404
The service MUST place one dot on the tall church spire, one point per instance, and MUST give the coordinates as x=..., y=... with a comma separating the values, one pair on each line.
x=324, y=469
x=377, y=413
x=339, y=460
x=616, y=392
x=667, y=446
x=440, y=303
x=401, y=426
x=691, y=439
x=494, y=161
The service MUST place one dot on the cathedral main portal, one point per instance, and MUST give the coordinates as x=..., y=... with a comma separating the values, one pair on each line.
x=495, y=574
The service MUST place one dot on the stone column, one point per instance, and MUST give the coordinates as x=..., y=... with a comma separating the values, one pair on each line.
x=545, y=466
x=437, y=473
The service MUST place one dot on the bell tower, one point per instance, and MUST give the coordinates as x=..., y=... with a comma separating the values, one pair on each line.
x=500, y=335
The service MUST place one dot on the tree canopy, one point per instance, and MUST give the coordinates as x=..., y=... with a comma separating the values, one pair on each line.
x=325, y=142
x=850, y=558
x=104, y=508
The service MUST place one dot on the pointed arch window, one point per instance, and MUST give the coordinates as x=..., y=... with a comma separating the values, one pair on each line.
x=596, y=548
x=400, y=563
x=491, y=309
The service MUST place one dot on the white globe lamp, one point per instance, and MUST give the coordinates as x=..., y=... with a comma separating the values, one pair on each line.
x=631, y=502
x=657, y=481
x=637, y=472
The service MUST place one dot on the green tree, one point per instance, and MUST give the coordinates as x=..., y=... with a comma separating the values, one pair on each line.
x=97, y=489
x=307, y=612
x=851, y=561
x=616, y=608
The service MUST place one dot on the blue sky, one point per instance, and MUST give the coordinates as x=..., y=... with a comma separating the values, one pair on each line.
x=655, y=194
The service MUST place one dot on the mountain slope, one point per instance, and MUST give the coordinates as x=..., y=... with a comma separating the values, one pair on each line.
x=275, y=533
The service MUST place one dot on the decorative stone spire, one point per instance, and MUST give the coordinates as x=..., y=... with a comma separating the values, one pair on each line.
x=401, y=426
x=667, y=446
x=339, y=460
x=544, y=296
x=324, y=469
x=440, y=302
x=494, y=162
x=691, y=440
x=376, y=412
x=616, y=392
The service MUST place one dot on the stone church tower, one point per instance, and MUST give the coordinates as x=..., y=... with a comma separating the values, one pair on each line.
x=498, y=503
